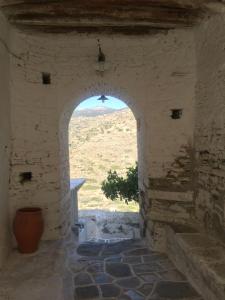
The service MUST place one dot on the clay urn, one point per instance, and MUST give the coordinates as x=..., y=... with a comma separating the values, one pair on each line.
x=28, y=228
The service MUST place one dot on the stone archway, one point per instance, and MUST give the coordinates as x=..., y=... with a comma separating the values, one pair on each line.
x=102, y=137
x=64, y=153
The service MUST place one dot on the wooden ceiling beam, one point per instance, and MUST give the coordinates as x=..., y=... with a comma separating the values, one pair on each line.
x=104, y=13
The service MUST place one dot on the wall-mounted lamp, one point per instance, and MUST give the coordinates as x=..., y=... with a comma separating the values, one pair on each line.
x=103, y=98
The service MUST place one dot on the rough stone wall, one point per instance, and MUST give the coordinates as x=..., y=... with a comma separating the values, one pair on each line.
x=153, y=74
x=4, y=140
x=35, y=144
x=210, y=123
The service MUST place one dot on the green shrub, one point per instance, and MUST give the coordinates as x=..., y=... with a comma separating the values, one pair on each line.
x=124, y=189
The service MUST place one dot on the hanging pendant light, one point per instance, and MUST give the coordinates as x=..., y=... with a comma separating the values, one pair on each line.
x=103, y=98
x=101, y=55
x=101, y=60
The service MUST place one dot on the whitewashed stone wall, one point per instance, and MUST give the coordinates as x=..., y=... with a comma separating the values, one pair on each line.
x=4, y=140
x=152, y=74
x=210, y=124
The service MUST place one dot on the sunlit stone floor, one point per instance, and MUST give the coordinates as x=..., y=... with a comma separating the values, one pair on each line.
x=126, y=270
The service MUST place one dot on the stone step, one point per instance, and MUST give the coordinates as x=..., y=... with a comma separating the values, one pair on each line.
x=200, y=258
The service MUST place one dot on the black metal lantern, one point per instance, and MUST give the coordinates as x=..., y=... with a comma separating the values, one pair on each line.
x=103, y=98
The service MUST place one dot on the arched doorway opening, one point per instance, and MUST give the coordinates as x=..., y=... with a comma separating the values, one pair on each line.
x=102, y=138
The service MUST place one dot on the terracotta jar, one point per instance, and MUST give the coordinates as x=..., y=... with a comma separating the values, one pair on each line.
x=28, y=228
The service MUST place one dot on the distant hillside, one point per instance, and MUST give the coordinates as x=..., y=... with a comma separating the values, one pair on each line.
x=93, y=112
x=97, y=144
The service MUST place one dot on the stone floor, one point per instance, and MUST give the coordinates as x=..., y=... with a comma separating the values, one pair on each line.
x=37, y=276
x=126, y=270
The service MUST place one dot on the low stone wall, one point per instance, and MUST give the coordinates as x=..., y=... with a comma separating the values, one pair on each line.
x=200, y=258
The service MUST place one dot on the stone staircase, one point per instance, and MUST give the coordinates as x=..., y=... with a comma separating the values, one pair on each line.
x=200, y=258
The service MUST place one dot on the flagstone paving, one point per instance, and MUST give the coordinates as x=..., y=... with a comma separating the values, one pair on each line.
x=127, y=270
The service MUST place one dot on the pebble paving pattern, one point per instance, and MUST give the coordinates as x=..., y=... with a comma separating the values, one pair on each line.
x=127, y=270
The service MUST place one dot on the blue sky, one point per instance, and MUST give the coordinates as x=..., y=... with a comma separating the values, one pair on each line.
x=93, y=102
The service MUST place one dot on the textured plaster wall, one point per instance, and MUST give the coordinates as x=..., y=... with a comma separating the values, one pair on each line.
x=153, y=74
x=210, y=123
x=4, y=140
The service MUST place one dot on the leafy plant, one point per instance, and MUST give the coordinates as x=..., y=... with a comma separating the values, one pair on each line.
x=118, y=187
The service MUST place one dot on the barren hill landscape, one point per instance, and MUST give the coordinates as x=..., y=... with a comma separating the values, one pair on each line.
x=101, y=139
